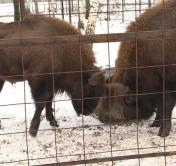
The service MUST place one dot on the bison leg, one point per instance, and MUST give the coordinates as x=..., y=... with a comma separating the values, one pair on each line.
x=165, y=122
x=49, y=114
x=156, y=122
x=1, y=84
x=36, y=119
x=40, y=92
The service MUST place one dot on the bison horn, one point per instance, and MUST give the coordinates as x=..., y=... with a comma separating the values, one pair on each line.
x=97, y=78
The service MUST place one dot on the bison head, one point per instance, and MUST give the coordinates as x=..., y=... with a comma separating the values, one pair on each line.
x=120, y=105
x=112, y=105
x=86, y=93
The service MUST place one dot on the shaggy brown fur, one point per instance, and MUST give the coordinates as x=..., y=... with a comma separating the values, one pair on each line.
x=151, y=79
x=36, y=63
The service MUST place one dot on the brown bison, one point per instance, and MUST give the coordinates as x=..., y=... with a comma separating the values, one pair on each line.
x=49, y=68
x=144, y=81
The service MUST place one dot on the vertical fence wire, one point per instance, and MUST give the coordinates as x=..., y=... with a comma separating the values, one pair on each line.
x=109, y=92
x=163, y=72
x=82, y=97
x=24, y=88
x=26, y=120
x=137, y=86
x=54, y=103
x=21, y=13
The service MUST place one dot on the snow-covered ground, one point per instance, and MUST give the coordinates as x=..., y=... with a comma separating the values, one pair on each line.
x=71, y=141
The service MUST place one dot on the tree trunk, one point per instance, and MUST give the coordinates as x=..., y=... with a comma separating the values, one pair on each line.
x=36, y=7
x=149, y=3
x=94, y=11
x=19, y=9
x=22, y=8
x=87, y=9
x=80, y=15
x=16, y=10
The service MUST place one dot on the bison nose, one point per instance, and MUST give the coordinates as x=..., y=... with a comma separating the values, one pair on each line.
x=87, y=112
x=78, y=114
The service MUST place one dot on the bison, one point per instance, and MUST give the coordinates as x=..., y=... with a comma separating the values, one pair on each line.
x=49, y=68
x=144, y=80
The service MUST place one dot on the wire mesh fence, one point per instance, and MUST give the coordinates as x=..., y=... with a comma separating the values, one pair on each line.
x=54, y=67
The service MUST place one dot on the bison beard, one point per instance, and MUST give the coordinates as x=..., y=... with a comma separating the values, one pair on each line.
x=49, y=68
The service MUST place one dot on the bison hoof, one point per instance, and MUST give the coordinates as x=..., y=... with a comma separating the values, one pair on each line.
x=156, y=123
x=54, y=123
x=34, y=127
x=163, y=132
x=32, y=132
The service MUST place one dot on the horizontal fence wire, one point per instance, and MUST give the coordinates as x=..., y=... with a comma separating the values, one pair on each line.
x=107, y=159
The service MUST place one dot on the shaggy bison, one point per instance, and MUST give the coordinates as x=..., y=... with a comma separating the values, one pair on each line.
x=144, y=81
x=49, y=68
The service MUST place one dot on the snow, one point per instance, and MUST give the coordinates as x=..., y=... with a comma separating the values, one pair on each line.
x=75, y=136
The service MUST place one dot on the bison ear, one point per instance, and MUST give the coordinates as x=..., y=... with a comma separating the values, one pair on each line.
x=118, y=88
x=97, y=78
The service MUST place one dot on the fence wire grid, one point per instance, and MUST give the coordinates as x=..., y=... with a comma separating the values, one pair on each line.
x=97, y=139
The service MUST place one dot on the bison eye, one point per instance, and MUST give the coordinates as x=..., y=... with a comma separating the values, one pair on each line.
x=129, y=100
